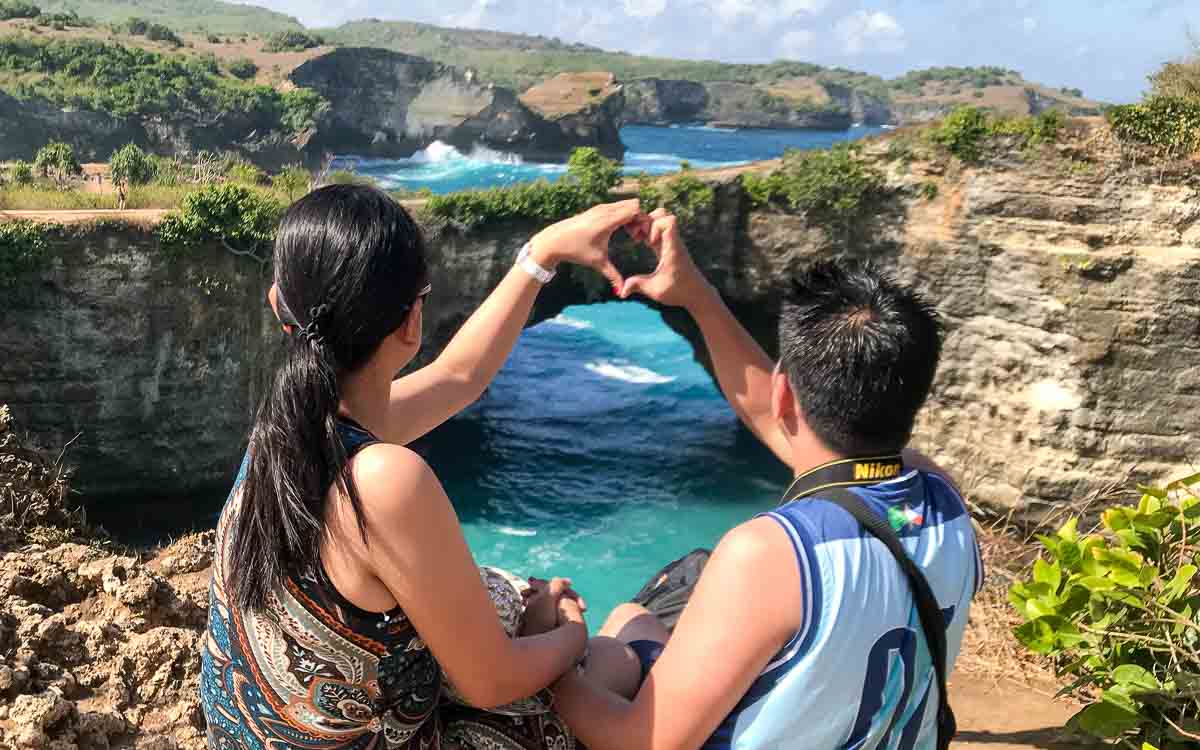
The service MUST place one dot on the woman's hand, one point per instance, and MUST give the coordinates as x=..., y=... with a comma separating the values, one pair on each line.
x=676, y=281
x=584, y=239
x=542, y=603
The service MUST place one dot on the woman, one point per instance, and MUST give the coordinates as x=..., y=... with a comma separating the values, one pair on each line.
x=342, y=588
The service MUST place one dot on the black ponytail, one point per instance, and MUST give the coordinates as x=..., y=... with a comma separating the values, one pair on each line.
x=349, y=262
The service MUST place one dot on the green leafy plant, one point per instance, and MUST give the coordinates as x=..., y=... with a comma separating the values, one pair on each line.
x=1119, y=612
x=10, y=9
x=20, y=172
x=129, y=166
x=243, y=220
x=1169, y=123
x=589, y=180
x=293, y=181
x=57, y=160
x=246, y=173
x=595, y=174
x=835, y=187
x=243, y=68
x=683, y=195
x=965, y=131
x=23, y=250
x=292, y=41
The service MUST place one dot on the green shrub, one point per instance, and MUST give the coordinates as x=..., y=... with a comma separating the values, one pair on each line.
x=1169, y=123
x=1119, y=613
x=57, y=160
x=293, y=181
x=292, y=41
x=156, y=32
x=129, y=166
x=595, y=174
x=963, y=131
x=212, y=39
x=589, y=180
x=243, y=68
x=23, y=250
x=834, y=187
x=683, y=195
x=60, y=21
x=137, y=26
x=21, y=173
x=10, y=9
x=246, y=173
x=347, y=177
x=127, y=81
x=966, y=130
x=241, y=219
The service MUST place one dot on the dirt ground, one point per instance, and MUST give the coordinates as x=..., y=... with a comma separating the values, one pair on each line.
x=1006, y=715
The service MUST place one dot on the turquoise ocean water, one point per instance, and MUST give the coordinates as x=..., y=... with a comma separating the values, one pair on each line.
x=602, y=451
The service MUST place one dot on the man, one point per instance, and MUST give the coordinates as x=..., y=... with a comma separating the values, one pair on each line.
x=801, y=631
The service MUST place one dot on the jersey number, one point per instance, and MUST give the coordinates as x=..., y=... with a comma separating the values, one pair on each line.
x=902, y=643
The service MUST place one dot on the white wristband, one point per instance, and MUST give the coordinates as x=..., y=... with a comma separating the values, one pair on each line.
x=532, y=267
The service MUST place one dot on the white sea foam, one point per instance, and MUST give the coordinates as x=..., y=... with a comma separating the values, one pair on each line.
x=510, y=531
x=438, y=152
x=627, y=373
x=563, y=320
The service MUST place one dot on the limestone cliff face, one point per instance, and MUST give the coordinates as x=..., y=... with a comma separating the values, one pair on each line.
x=1071, y=297
x=152, y=368
x=389, y=104
x=26, y=126
x=655, y=101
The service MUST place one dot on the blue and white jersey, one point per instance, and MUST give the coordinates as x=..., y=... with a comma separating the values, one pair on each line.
x=858, y=673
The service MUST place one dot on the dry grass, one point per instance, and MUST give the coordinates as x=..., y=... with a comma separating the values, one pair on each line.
x=989, y=650
x=800, y=91
x=567, y=93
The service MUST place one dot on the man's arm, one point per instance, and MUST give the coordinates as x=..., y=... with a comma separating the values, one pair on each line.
x=743, y=369
x=746, y=606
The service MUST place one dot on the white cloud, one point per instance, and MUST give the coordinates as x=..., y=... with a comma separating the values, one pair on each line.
x=645, y=8
x=796, y=44
x=1030, y=24
x=870, y=31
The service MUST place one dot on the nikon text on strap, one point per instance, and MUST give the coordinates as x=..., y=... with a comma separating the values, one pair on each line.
x=831, y=482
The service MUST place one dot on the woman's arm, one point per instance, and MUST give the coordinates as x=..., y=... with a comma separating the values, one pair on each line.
x=423, y=400
x=416, y=548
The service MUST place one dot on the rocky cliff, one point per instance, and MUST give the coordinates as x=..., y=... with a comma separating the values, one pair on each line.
x=1069, y=286
x=389, y=104
x=27, y=125
x=789, y=104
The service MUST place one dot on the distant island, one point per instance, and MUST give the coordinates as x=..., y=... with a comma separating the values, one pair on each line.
x=184, y=75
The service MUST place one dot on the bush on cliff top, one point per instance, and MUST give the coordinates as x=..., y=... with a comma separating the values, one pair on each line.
x=10, y=9
x=966, y=130
x=589, y=180
x=128, y=81
x=1119, y=613
x=292, y=41
x=836, y=187
x=1170, y=124
x=23, y=250
x=683, y=195
x=242, y=219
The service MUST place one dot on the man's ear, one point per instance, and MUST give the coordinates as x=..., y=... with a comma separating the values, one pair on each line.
x=783, y=400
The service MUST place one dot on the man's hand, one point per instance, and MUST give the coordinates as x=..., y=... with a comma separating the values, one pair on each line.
x=676, y=281
x=584, y=239
x=543, y=604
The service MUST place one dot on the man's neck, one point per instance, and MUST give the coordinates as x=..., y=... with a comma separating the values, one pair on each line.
x=808, y=453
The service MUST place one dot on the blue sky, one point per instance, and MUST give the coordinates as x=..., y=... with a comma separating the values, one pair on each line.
x=1105, y=47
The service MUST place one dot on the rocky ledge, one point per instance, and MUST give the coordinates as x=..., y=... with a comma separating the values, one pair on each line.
x=388, y=104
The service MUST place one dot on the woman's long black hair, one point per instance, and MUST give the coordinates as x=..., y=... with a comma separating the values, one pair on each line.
x=349, y=264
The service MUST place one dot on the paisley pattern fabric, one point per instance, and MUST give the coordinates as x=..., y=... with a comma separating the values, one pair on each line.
x=313, y=672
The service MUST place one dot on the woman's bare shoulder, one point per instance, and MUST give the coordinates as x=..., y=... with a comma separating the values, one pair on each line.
x=392, y=478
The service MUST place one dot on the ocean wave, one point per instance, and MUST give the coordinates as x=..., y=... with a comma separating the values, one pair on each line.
x=627, y=373
x=563, y=320
x=438, y=152
x=510, y=531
